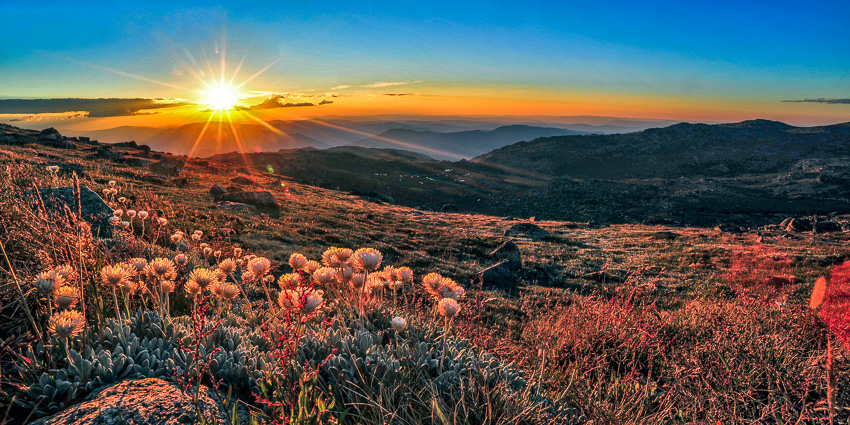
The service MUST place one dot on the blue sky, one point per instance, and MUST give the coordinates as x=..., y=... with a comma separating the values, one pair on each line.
x=740, y=53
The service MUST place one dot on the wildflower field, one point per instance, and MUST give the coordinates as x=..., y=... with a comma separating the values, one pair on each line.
x=335, y=309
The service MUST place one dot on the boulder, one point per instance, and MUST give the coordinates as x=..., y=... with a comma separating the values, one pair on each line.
x=259, y=199
x=141, y=402
x=236, y=207
x=106, y=152
x=49, y=134
x=51, y=137
x=449, y=208
x=529, y=230
x=827, y=227
x=242, y=180
x=168, y=166
x=499, y=275
x=510, y=252
x=728, y=228
x=92, y=208
x=217, y=190
x=130, y=144
x=799, y=225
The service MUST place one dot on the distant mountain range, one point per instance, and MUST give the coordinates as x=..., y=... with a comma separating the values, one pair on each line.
x=441, y=138
x=696, y=174
x=460, y=144
x=721, y=150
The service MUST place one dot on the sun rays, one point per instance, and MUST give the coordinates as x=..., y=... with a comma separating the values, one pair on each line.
x=218, y=91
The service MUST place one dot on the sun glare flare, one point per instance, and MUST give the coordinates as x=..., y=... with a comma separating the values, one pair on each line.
x=221, y=97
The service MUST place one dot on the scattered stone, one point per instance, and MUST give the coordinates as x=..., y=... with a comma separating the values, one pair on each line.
x=728, y=228
x=242, y=180
x=140, y=402
x=217, y=190
x=827, y=227
x=508, y=251
x=499, y=276
x=106, y=152
x=168, y=166
x=236, y=207
x=259, y=199
x=533, y=231
x=92, y=208
x=799, y=225
x=449, y=208
x=178, y=182
x=130, y=144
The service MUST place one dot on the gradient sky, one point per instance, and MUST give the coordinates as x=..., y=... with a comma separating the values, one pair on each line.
x=694, y=61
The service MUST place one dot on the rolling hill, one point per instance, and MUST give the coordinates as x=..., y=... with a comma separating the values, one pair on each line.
x=459, y=144
x=748, y=173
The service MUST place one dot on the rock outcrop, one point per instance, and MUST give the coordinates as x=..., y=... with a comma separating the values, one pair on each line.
x=262, y=199
x=141, y=402
x=499, y=276
x=92, y=208
x=508, y=251
x=236, y=207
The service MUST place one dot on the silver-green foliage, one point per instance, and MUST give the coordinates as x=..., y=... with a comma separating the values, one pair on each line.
x=407, y=377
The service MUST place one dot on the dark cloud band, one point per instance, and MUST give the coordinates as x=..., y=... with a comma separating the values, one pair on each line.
x=821, y=100
x=97, y=108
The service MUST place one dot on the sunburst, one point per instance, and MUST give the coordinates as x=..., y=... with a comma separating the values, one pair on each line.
x=220, y=96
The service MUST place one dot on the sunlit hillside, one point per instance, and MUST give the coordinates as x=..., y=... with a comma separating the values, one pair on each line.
x=613, y=324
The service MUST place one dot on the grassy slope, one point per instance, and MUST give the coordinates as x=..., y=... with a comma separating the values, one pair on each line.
x=678, y=277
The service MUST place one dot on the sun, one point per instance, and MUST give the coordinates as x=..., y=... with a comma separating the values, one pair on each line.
x=221, y=97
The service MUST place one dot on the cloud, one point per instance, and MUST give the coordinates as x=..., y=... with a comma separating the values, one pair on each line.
x=96, y=108
x=271, y=102
x=276, y=101
x=398, y=94
x=389, y=84
x=821, y=100
x=344, y=86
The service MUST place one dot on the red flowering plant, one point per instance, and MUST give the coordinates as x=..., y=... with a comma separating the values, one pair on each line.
x=835, y=310
x=833, y=299
x=284, y=397
x=759, y=274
